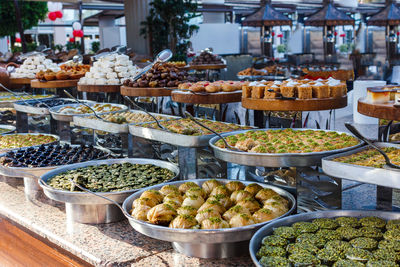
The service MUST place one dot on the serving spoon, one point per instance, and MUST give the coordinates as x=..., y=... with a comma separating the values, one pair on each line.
x=214, y=132
x=163, y=56
x=354, y=131
x=86, y=105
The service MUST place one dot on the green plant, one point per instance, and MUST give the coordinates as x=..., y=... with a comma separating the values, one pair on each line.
x=58, y=47
x=281, y=48
x=31, y=14
x=343, y=48
x=167, y=26
x=30, y=47
x=73, y=45
x=95, y=46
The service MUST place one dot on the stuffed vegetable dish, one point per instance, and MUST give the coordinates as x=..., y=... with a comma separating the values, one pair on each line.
x=111, y=178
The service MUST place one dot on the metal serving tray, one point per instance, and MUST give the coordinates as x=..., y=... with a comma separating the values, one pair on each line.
x=27, y=106
x=10, y=103
x=10, y=128
x=86, y=208
x=69, y=117
x=219, y=243
x=170, y=137
x=31, y=185
x=256, y=240
x=274, y=159
x=8, y=149
x=383, y=177
x=110, y=126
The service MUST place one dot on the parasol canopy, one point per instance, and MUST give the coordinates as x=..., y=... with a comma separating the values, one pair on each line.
x=329, y=15
x=390, y=15
x=266, y=16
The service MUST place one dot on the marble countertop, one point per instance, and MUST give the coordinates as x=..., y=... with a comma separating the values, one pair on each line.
x=115, y=244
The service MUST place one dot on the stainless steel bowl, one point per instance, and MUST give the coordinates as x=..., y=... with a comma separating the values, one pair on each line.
x=69, y=116
x=31, y=184
x=86, y=208
x=9, y=149
x=274, y=159
x=220, y=243
x=10, y=128
x=256, y=240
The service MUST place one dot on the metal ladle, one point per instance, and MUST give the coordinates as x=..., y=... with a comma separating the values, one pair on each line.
x=148, y=113
x=163, y=56
x=354, y=131
x=82, y=103
x=214, y=132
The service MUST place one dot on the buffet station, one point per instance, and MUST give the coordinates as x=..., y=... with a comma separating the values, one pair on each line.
x=105, y=163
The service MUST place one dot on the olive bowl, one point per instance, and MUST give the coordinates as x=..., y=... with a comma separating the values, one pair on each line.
x=84, y=207
x=256, y=240
x=203, y=243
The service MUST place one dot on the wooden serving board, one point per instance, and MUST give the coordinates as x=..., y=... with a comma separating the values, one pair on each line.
x=382, y=111
x=20, y=81
x=207, y=67
x=54, y=84
x=107, y=88
x=314, y=104
x=210, y=98
x=145, y=91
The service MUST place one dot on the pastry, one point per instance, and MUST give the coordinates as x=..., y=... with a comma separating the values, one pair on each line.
x=320, y=90
x=304, y=91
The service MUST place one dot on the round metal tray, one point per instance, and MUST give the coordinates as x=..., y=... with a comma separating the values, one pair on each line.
x=31, y=184
x=69, y=117
x=256, y=240
x=219, y=243
x=87, y=208
x=8, y=149
x=10, y=103
x=22, y=106
x=274, y=159
x=8, y=127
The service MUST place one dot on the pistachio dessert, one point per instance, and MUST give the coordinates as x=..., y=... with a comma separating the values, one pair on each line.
x=289, y=141
x=338, y=242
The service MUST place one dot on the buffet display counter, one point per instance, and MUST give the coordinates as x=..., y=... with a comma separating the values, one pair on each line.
x=29, y=230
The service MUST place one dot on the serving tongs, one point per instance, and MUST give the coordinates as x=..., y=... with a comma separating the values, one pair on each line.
x=23, y=93
x=148, y=113
x=280, y=96
x=188, y=90
x=389, y=164
x=86, y=105
x=228, y=146
x=74, y=183
x=163, y=56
